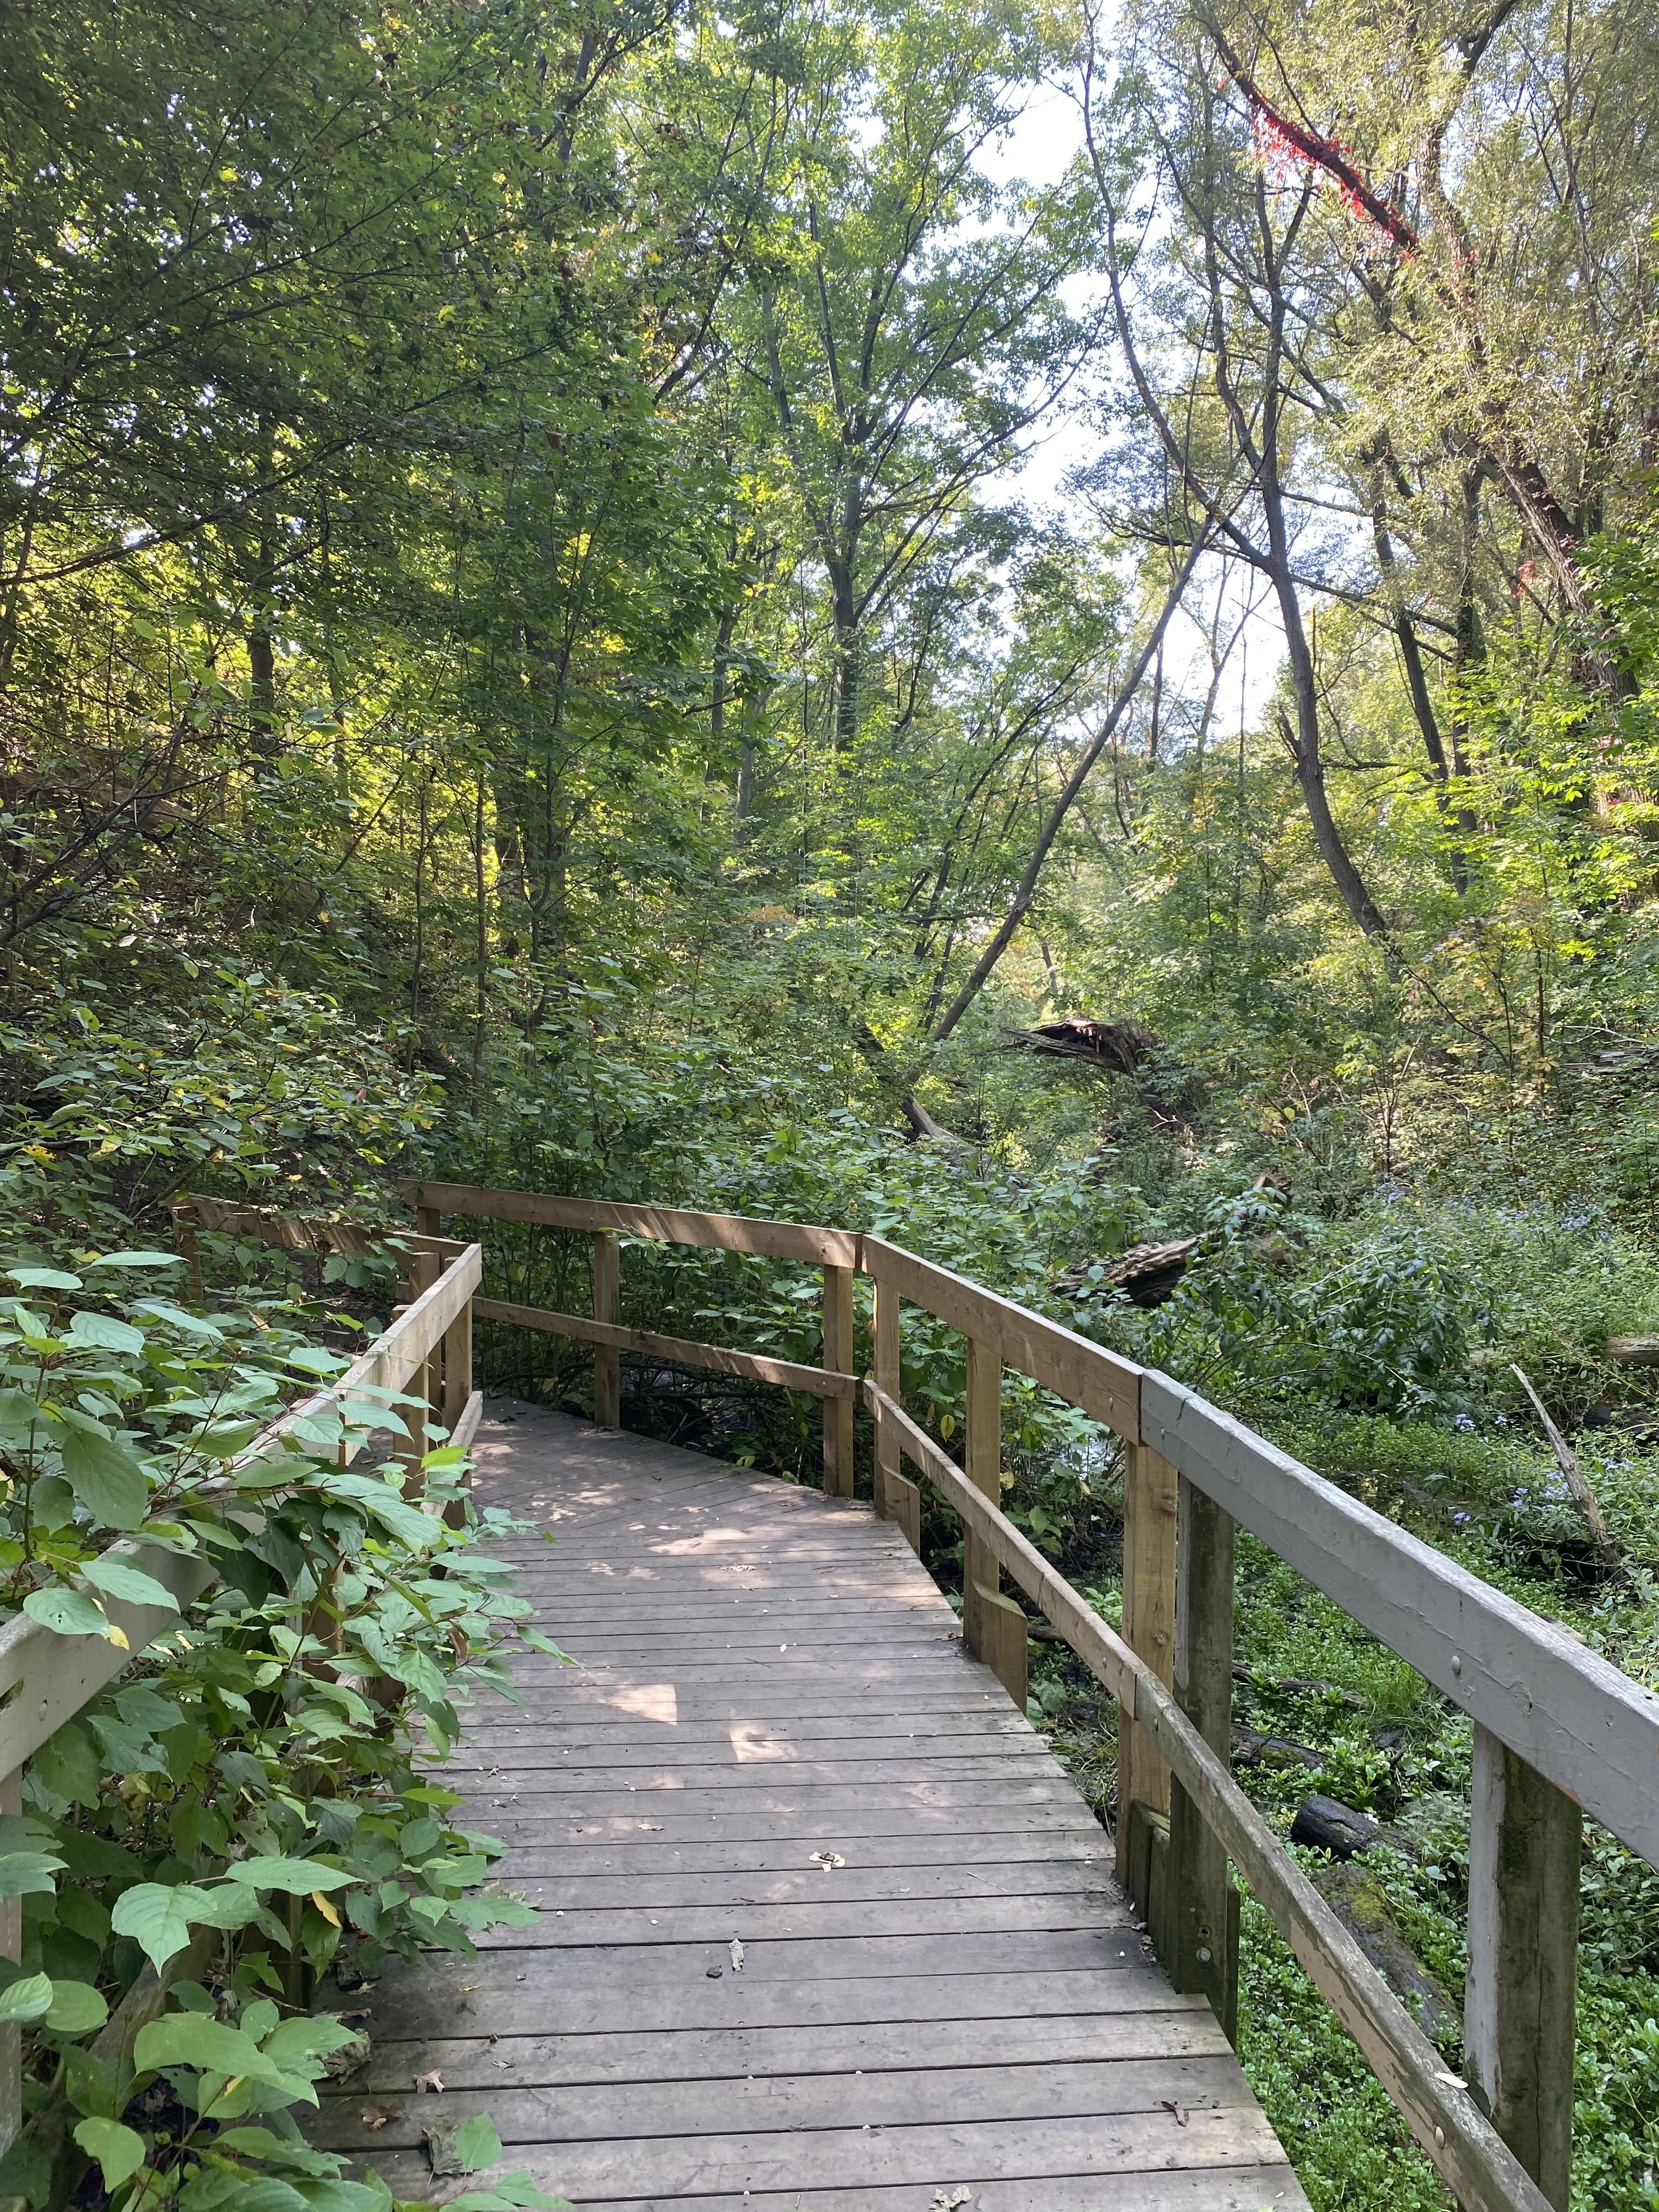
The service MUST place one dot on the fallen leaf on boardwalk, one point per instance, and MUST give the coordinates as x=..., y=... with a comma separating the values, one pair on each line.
x=433, y=2081
x=826, y=1860
x=442, y=2152
x=947, y=2200
x=350, y=2059
x=737, y=1955
x=1171, y=2106
x=714, y=1973
x=376, y=2116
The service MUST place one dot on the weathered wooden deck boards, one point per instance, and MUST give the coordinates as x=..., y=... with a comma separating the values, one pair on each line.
x=965, y=2005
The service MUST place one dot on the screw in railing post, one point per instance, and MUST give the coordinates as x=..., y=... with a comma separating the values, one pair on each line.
x=1200, y=1931
x=607, y=1306
x=1149, y=1591
x=838, y=1359
x=1525, y=1840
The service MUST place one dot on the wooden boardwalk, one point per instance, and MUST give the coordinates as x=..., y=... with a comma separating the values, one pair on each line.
x=956, y=2011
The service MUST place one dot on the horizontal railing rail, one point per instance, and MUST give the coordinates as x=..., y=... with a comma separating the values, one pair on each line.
x=1557, y=1730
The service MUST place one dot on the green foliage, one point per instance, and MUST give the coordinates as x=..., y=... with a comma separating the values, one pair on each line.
x=245, y=1799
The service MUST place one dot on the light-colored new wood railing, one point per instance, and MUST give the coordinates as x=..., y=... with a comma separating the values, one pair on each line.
x=1559, y=1732
x=426, y=1354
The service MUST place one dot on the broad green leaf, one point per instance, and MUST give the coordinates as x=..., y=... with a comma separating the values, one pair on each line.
x=118, y=1578
x=26, y=2172
x=291, y=2042
x=259, y=2142
x=294, y=1877
x=106, y=1333
x=231, y=2193
x=482, y=1912
x=103, y=1473
x=317, y=1359
x=26, y=1999
x=29, y=1874
x=476, y=2143
x=44, y=1278
x=119, y=2151
x=137, y=1260
x=76, y=2007
x=192, y=2039
x=69, y=1612
x=157, y=1918
x=193, y=1324
x=507, y=2194
x=227, y=1905
x=19, y=1412
x=537, y=1642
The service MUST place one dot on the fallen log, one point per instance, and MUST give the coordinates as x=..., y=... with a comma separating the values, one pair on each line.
x=1329, y=1825
x=1252, y=1748
x=1583, y=1495
x=1148, y=1272
x=1115, y=1048
x=1357, y=1899
x=922, y=1124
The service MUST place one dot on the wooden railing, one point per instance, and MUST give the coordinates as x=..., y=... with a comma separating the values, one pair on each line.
x=426, y=1355
x=1559, y=1732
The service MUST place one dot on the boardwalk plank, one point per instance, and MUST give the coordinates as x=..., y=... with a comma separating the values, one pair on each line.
x=554, y=2061
x=781, y=2102
x=681, y=2169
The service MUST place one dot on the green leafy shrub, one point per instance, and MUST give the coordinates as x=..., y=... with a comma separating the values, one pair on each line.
x=244, y=1805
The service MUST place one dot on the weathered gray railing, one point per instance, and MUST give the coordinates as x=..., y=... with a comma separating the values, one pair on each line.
x=45, y=1679
x=1557, y=1731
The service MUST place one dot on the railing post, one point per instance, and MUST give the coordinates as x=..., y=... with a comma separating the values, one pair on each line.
x=426, y=1383
x=11, y=1946
x=838, y=1357
x=458, y=1391
x=993, y=1626
x=896, y=1497
x=1525, y=1836
x=187, y=1238
x=607, y=1306
x=1197, y=1940
x=1149, y=1590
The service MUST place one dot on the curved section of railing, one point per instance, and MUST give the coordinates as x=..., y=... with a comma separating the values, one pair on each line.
x=1557, y=1731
